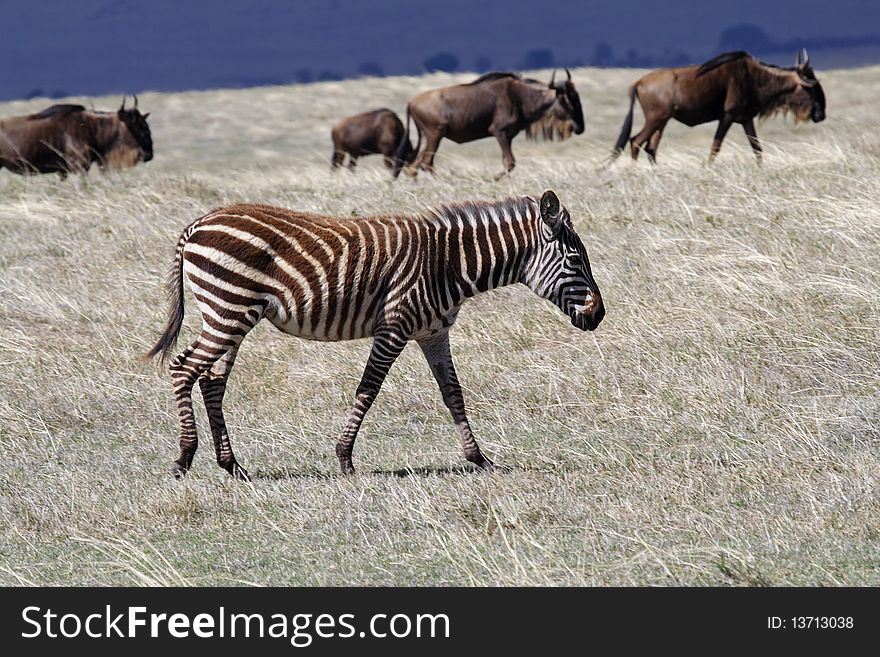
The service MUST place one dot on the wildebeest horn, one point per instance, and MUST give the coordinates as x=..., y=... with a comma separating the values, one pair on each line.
x=806, y=57
x=568, y=73
x=135, y=101
x=797, y=59
x=553, y=78
x=123, y=103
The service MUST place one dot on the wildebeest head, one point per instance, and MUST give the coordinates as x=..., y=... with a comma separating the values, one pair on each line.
x=567, y=97
x=561, y=270
x=809, y=102
x=563, y=117
x=138, y=132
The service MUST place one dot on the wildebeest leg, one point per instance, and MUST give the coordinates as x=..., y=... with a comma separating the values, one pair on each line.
x=749, y=127
x=439, y=357
x=640, y=139
x=213, y=385
x=653, y=143
x=352, y=162
x=506, y=153
x=337, y=159
x=723, y=126
x=432, y=143
x=387, y=346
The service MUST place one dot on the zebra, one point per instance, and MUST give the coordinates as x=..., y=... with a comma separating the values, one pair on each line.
x=392, y=278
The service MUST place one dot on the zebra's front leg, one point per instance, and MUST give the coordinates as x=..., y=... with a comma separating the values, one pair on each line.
x=387, y=346
x=439, y=356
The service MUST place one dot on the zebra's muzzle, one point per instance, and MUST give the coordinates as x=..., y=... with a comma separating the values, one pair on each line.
x=588, y=320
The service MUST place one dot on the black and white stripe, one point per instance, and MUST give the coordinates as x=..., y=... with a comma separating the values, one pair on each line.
x=392, y=278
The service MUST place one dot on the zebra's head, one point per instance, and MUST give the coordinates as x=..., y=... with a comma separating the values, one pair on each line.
x=560, y=269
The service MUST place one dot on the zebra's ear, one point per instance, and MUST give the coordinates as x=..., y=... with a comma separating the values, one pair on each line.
x=550, y=208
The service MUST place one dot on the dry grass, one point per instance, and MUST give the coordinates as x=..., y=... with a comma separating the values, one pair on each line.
x=721, y=427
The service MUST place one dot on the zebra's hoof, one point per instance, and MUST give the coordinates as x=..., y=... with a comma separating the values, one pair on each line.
x=239, y=473
x=178, y=471
x=346, y=467
x=487, y=466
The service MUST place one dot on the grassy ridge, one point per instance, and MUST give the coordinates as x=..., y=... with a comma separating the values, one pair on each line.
x=721, y=427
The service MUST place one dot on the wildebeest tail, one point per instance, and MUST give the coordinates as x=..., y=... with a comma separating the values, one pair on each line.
x=401, y=152
x=175, y=307
x=626, y=130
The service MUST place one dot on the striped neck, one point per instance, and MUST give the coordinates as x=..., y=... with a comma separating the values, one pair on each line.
x=489, y=244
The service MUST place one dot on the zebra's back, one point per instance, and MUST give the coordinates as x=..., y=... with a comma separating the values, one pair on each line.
x=312, y=276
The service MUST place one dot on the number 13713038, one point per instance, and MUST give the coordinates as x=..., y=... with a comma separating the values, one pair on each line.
x=810, y=622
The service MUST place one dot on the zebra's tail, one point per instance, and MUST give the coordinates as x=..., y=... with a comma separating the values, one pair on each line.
x=175, y=307
x=626, y=130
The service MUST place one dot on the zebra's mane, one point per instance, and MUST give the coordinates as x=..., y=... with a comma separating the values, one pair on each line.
x=454, y=211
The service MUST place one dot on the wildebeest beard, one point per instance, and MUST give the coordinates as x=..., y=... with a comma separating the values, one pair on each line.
x=550, y=128
x=799, y=104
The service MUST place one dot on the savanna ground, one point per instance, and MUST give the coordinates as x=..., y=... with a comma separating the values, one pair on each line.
x=721, y=426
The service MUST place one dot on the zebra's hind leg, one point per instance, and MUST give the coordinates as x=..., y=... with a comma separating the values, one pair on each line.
x=213, y=386
x=439, y=356
x=387, y=346
x=183, y=377
x=186, y=369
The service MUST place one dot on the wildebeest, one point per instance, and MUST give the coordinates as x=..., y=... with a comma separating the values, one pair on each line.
x=496, y=104
x=733, y=87
x=379, y=131
x=69, y=138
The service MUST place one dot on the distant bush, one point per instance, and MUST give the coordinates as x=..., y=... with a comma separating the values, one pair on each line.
x=635, y=60
x=442, y=61
x=603, y=55
x=371, y=69
x=674, y=58
x=482, y=64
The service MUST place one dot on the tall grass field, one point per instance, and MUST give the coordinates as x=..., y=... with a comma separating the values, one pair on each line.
x=721, y=427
